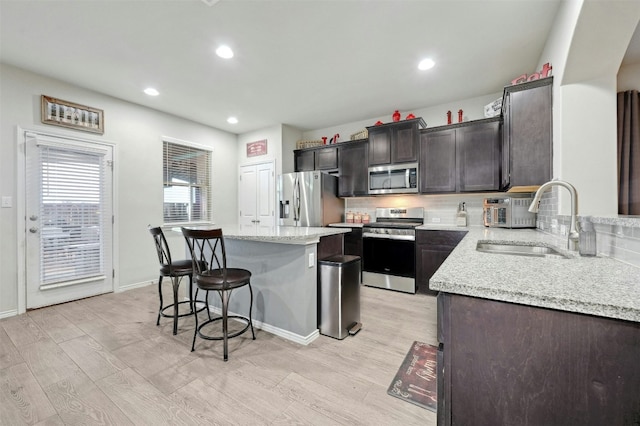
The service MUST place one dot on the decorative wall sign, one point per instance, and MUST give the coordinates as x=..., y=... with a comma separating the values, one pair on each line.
x=257, y=148
x=68, y=114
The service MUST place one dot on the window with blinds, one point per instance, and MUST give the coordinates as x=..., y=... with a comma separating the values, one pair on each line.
x=187, y=186
x=72, y=214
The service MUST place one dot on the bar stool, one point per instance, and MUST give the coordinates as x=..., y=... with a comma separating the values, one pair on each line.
x=174, y=270
x=211, y=274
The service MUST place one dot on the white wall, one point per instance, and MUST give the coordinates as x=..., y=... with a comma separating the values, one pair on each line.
x=137, y=133
x=629, y=78
x=273, y=135
x=290, y=136
x=473, y=109
x=585, y=62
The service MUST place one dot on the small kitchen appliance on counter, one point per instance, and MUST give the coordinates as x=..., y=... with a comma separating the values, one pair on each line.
x=389, y=249
x=508, y=212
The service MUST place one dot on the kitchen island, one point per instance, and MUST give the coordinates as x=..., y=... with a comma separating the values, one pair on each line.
x=284, y=275
x=529, y=340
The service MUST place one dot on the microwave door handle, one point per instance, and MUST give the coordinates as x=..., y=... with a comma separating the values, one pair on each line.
x=406, y=178
x=495, y=216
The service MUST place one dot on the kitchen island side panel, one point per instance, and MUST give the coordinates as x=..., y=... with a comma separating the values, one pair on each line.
x=284, y=286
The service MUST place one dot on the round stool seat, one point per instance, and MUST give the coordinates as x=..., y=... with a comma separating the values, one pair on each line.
x=214, y=279
x=177, y=268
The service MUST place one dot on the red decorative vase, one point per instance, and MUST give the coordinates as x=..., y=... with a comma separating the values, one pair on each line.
x=396, y=116
x=459, y=116
x=448, y=117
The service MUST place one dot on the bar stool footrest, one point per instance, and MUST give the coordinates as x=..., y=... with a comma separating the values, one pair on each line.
x=181, y=315
x=236, y=334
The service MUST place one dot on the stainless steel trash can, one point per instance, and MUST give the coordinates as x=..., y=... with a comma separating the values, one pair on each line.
x=339, y=296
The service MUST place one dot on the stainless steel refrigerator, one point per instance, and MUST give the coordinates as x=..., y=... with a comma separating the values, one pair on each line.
x=309, y=199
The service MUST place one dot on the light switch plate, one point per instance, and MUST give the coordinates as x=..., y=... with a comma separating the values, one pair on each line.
x=435, y=220
x=311, y=260
x=7, y=202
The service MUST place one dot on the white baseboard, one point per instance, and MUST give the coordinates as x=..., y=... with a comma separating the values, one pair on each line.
x=285, y=334
x=7, y=314
x=134, y=285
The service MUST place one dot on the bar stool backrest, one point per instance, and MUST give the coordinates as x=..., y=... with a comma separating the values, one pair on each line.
x=164, y=255
x=207, y=250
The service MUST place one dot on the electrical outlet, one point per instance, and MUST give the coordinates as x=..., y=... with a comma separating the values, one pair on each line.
x=435, y=220
x=312, y=260
x=7, y=202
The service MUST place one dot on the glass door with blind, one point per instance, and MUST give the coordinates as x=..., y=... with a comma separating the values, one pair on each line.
x=69, y=219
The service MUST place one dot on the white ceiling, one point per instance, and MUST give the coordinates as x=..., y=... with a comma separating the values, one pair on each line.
x=306, y=63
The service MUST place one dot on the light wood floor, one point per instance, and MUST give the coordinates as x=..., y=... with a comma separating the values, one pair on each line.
x=102, y=360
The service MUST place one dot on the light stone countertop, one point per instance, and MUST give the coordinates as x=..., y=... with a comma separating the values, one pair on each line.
x=346, y=225
x=274, y=234
x=438, y=227
x=589, y=285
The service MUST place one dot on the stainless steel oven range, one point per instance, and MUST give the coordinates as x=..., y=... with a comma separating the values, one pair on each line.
x=389, y=249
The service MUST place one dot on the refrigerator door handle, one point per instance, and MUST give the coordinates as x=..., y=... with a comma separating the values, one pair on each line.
x=296, y=199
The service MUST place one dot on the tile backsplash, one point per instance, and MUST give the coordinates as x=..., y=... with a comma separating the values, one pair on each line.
x=439, y=209
x=618, y=238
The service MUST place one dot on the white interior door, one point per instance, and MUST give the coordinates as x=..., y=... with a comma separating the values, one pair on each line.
x=256, y=195
x=69, y=217
x=247, y=188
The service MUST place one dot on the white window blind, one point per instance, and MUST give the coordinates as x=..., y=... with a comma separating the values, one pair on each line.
x=73, y=212
x=187, y=186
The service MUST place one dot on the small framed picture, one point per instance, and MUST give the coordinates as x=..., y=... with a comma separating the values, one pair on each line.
x=69, y=114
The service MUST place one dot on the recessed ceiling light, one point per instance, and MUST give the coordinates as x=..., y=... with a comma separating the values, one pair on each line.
x=151, y=91
x=426, y=64
x=232, y=120
x=224, y=52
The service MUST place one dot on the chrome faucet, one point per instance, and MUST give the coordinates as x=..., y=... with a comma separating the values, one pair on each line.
x=574, y=233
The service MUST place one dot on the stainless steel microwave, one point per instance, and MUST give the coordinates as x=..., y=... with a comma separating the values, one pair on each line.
x=393, y=179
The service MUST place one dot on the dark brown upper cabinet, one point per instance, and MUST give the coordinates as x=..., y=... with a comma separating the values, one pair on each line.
x=353, y=169
x=527, y=152
x=323, y=158
x=396, y=142
x=462, y=157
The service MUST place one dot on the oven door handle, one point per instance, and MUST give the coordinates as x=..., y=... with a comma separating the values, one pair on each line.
x=390, y=237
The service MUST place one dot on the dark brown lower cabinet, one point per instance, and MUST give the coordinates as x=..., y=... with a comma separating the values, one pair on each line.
x=432, y=249
x=506, y=364
x=353, y=242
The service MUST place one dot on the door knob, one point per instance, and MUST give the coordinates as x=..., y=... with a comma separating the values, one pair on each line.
x=33, y=217
x=33, y=230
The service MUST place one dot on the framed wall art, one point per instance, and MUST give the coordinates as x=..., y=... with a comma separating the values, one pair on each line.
x=68, y=114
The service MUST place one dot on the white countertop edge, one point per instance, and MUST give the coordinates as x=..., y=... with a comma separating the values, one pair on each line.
x=275, y=234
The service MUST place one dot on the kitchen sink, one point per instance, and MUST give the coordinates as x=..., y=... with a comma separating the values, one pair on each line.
x=520, y=249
